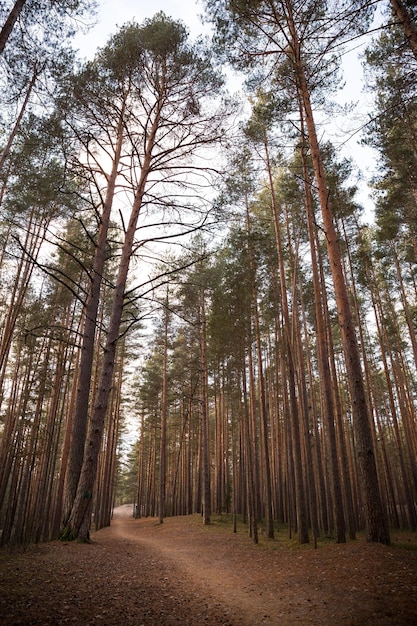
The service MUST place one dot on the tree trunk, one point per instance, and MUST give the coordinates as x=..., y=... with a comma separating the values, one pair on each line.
x=306, y=422
x=36, y=229
x=6, y=149
x=10, y=22
x=164, y=412
x=404, y=301
x=300, y=496
x=80, y=418
x=78, y=525
x=403, y=16
x=377, y=527
x=205, y=442
x=323, y=358
x=261, y=387
x=248, y=450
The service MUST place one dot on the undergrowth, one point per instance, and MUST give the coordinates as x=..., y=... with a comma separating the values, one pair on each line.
x=286, y=537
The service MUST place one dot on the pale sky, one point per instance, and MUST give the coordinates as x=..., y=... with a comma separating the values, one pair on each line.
x=112, y=14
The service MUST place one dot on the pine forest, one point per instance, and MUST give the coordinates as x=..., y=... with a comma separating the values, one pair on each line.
x=200, y=309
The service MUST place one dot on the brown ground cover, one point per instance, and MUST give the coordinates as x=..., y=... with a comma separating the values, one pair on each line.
x=138, y=572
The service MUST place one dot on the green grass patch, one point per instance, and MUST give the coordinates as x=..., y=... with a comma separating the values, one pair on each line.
x=406, y=539
x=286, y=538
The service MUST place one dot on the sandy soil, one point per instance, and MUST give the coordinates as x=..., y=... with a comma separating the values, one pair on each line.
x=138, y=572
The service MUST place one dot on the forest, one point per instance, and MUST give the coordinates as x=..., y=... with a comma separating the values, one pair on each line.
x=197, y=312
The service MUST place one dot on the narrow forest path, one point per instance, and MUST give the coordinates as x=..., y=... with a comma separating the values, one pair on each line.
x=337, y=584
x=138, y=572
x=205, y=564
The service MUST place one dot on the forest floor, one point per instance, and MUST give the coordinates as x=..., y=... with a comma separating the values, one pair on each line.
x=141, y=573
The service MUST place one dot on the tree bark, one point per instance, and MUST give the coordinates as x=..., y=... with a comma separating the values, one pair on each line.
x=261, y=387
x=205, y=440
x=409, y=27
x=6, y=149
x=300, y=496
x=78, y=525
x=376, y=522
x=323, y=358
x=248, y=451
x=164, y=413
x=80, y=418
x=10, y=22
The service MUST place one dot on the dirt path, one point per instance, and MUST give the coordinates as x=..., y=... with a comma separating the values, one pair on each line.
x=138, y=572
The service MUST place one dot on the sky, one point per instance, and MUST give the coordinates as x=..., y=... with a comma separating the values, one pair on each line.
x=112, y=14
